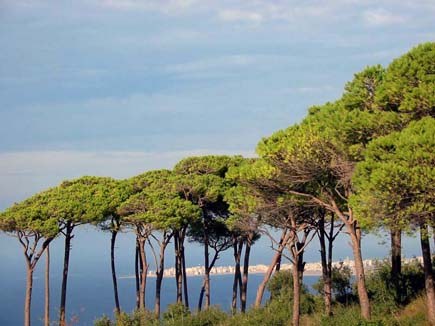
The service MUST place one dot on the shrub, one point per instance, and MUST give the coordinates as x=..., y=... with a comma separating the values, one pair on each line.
x=281, y=290
x=175, y=312
x=381, y=285
x=341, y=285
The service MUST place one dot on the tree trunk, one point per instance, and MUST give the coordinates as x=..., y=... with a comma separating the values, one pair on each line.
x=428, y=273
x=396, y=261
x=207, y=274
x=355, y=235
x=244, y=288
x=178, y=276
x=47, y=287
x=329, y=264
x=396, y=252
x=136, y=273
x=144, y=272
x=112, y=265
x=266, y=278
x=296, y=293
x=237, y=274
x=68, y=237
x=28, y=298
x=275, y=260
x=159, y=275
x=186, y=292
x=201, y=294
x=326, y=273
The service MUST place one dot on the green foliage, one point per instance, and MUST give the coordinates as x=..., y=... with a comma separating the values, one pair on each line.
x=32, y=215
x=208, y=317
x=396, y=181
x=341, y=284
x=409, y=84
x=281, y=289
x=158, y=203
x=209, y=164
x=136, y=318
x=343, y=316
x=380, y=285
x=175, y=312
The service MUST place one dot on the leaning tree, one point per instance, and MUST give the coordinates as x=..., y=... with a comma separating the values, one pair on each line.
x=34, y=224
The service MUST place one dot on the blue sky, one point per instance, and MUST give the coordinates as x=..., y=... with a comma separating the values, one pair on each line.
x=117, y=87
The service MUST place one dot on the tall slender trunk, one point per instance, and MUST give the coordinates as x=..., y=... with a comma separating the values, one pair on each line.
x=159, y=276
x=68, y=236
x=237, y=248
x=428, y=273
x=273, y=264
x=202, y=292
x=330, y=250
x=244, y=288
x=112, y=265
x=47, y=287
x=296, y=293
x=326, y=272
x=355, y=235
x=396, y=261
x=186, y=292
x=144, y=272
x=206, y=272
x=178, y=276
x=28, y=298
x=136, y=273
x=396, y=252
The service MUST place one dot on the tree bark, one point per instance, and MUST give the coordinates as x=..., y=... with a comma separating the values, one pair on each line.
x=428, y=273
x=396, y=261
x=136, y=273
x=237, y=248
x=183, y=258
x=396, y=252
x=47, y=287
x=296, y=294
x=28, y=297
x=206, y=272
x=244, y=288
x=355, y=235
x=276, y=258
x=113, y=267
x=68, y=236
x=201, y=294
x=178, y=276
x=326, y=271
x=144, y=272
x=159, y=277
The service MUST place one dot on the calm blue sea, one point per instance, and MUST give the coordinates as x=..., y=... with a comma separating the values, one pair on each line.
x=92, y=297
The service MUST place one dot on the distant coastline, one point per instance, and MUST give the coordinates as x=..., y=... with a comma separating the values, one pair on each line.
x=311, y=269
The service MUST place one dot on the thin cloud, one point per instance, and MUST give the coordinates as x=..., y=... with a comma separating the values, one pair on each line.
x=240, y=16
x=381, y=17
x=212, y=64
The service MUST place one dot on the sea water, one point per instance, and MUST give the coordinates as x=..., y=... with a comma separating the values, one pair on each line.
x=89, y=298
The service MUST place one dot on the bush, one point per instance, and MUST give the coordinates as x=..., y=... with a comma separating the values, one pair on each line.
x=341, y=285
x=381, y=286
x=175, y=312
x=208, y=317
x=281, y=290
x=136, y=318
